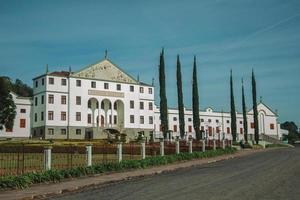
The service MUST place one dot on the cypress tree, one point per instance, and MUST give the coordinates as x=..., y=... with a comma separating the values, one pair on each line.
x=245, y=123
x=180, y=98
x=196, y=118
x=255, y=113
x=163, y=97
x=233, y=113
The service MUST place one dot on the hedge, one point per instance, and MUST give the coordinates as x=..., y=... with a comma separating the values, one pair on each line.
x=27, y=179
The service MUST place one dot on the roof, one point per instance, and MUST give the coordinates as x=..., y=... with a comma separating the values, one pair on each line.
x=61, y=73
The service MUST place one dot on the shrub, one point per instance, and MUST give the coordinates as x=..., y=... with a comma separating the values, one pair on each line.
x=25, y=180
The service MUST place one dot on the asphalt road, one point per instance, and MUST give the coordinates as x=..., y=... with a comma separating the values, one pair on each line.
x=267, y=175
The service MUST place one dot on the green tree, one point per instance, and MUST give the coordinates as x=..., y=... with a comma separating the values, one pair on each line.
x=245, y=122
x=255, y=112
x=22, y=89
x=293, y=135
x=180, y=98
x=232, y=110
x=163, y=97
x=7, y=105
x=195, y=99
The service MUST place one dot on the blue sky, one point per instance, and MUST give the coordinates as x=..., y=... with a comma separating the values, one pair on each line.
x=237, y=34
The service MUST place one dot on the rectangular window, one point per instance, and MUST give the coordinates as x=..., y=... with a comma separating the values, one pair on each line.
x=35, y=101
x=93, y=84
x=131, y=104
x=210, y=131
x=35, y=117
x=42, y=116
x=142, y=105
x=202, y=120
x=190, y=128
x=51, y=81
x=22, y=123
x=150, y=120
x=43, y=81
x=78, y=131
x=227, y=121
x=150, y=106
x=50, y=115
x=209, y=120
x=228, y=130
x=131, y=118
x=142, y=120
x=141, y=90
x=131, y=88
x=63, y=131
x=217, y=121
x=63, y=99
x=272, y=126
x=78, y=116
x=175, y=119
x=241, y=130
x=89, y=118
x=51, y=99
x=252, y=125
x=150, y=90
x=23, y=110
x=217, y=130
x=78, y=100
x=50, y=131
x=78, y=83
x=63, y=116
x=36, y=84
x=63, y=81
x=42, y=99
x=189, y=119
x=202, y=128
x=8, y=129
x=106, y=86
x=241, y=122
x=175, y=128
x=118, y=86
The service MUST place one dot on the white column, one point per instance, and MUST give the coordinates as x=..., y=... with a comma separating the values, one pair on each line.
x=143, y=150
x=223, y=143
x=88, y=155
x=190, y=146
x=203, y=145
x=177, y=147
x=119, y=151
x=162, y=148
x=47, y=157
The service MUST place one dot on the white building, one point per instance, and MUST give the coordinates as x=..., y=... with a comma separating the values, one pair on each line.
x=102, y=98
x=90, y=103
x=22, y=123
x=217, y=124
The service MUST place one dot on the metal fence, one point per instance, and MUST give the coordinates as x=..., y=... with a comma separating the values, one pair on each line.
x=19, y=159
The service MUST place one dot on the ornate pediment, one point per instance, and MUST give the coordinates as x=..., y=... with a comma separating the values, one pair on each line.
x=105, y=70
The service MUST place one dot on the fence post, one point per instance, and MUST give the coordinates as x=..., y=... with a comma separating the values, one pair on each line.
x=89, y=155
x=177, y=146
x=203, y=145
x=214, y=144
x=47, y=157
x=223, y=144
x=119, y=151
x=191, y=146
x=162, y=147
x=264, y=144
x=143, y=149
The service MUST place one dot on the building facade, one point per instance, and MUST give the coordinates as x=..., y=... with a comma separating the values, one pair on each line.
x=102, y=98
x=22, y=123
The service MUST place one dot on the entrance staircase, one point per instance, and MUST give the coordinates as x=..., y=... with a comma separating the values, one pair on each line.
x=270, y=139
